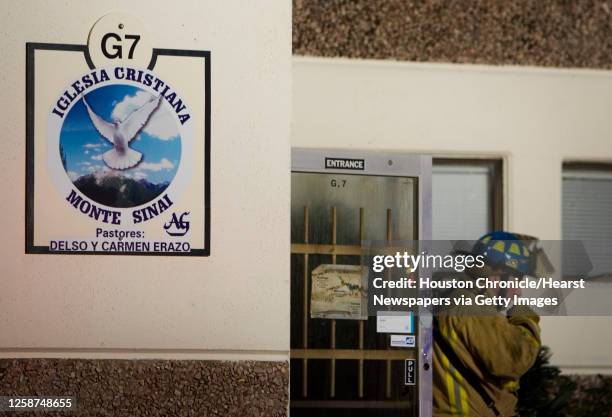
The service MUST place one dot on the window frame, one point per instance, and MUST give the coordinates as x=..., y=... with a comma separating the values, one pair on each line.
x=586, y=166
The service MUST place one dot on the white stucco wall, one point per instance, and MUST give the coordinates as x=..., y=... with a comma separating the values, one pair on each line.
x=234, y=304
x=533, y=118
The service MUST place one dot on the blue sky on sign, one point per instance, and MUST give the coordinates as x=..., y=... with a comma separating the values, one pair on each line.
x=159, y=141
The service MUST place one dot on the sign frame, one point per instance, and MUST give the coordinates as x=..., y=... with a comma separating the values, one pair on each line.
x=31, y=48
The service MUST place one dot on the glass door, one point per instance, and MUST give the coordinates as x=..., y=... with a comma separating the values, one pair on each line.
x=340, y=364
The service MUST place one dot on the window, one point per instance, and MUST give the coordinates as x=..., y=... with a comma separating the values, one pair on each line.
x=587, y=215
x=467, y=198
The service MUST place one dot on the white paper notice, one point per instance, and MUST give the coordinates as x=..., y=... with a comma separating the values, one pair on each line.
x=394, y=322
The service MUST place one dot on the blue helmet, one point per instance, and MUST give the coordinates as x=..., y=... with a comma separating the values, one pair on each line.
x=504, y=250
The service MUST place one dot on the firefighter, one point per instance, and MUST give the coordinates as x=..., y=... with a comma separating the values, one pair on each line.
x=480, y=353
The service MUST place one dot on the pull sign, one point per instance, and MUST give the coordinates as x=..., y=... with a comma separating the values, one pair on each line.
x=410, y=372
x=345, y=163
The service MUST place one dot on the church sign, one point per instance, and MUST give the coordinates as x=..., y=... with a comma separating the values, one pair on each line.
x=118, y=145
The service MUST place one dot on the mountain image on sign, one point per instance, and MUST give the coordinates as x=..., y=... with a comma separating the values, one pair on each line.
x=120, y=145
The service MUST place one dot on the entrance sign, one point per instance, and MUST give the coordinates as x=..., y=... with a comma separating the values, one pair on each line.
x=118, y=145
x=345, y=163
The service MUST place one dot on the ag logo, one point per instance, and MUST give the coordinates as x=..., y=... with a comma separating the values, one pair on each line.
x=177, y=226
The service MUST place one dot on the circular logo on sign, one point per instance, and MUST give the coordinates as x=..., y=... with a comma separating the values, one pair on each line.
x=120, y=145
x=117, y=140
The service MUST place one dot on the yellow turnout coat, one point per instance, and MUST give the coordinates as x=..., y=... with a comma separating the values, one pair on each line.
x=479, y=356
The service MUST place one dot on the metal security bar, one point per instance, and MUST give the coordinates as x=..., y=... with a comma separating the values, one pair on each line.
x=332, y=354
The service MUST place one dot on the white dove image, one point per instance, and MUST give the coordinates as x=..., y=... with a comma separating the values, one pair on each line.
x=121, y=133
